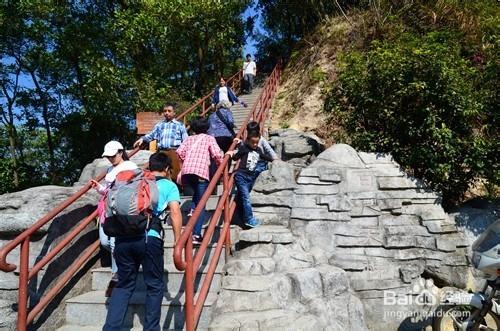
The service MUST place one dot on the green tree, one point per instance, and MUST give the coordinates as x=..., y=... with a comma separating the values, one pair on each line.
x=420, y=100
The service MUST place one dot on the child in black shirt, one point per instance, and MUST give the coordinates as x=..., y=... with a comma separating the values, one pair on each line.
x=250, y=153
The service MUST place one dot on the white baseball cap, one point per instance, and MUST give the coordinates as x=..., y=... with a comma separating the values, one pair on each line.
x=111, y=148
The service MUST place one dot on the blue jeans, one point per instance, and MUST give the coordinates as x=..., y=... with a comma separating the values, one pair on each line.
x=244, y=182
x=130, y=253
x=199, y=186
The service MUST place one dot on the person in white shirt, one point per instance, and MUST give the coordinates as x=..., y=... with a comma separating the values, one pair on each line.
x=249, y=72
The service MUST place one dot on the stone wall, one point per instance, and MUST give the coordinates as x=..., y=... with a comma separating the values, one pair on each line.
x=18, y=211
x=358, y=213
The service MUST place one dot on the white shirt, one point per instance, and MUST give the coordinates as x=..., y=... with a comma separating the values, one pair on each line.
x=125, y=165
x=249, y=67
x=223, y=94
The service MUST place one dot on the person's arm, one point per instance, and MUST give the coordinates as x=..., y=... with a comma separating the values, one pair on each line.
x=148, y=137
x=230, y=118
x=215, y=97
x=255, y=69
x=215, y=151
x=181, y=151
x=232, y=96
x=184, y=133
x=237, y=153
x=176, y=217
x=101, y=189
x=268, y=150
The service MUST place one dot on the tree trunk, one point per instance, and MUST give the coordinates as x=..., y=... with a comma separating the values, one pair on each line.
x=13, y=155
x=46, y=124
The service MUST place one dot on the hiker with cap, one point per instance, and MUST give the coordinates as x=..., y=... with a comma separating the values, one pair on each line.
x=169, y=134
x=117, y=156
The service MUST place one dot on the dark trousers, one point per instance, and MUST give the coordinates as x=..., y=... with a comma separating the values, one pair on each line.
x=130, y=253
x=199, y=186
x=248, y=78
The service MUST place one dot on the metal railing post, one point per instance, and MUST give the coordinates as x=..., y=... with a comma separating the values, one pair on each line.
x=227, y=220
x=189, y=284
x=22, y=305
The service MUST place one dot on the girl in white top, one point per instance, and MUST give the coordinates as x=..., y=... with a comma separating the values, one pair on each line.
x=116, y=155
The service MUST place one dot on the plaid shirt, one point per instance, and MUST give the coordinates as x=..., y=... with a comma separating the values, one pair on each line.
x=195, y=153
x=168, y=134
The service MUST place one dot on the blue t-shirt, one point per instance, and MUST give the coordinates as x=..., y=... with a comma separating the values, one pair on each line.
x=167, y=192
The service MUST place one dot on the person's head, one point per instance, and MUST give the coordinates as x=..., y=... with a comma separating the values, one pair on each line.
x=253, y=138
x=222, y=81
x=200, y=125
x=168, y=111
x=159, y=162
x=115, y=153
x=253, y=126
x=224, y=104
x=249, y=57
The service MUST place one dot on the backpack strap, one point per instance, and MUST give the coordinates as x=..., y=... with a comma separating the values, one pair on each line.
x=226, y=122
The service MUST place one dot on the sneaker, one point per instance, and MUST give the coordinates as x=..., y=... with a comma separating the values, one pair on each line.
x=109, y=290
x=252, y=223
x=197, y=239
x=190, y=212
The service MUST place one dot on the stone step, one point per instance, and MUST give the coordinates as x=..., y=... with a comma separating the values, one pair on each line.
x=174, y=279
x=279, y=319
x=210, y=205
x=90, y=309
x=71, y=327
x=275, y=234
x=247, y=267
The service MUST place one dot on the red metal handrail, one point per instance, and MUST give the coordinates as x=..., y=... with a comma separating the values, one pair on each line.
x=192, y=263
x=24, y=318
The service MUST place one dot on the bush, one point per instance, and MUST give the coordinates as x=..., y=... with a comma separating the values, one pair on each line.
x=419, y=99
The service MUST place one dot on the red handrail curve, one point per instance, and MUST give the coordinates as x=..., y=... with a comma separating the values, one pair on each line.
x=191, y=264
x=24, y=317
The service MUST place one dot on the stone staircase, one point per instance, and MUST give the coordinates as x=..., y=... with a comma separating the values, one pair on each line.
x=240, y=113
x=88, y=311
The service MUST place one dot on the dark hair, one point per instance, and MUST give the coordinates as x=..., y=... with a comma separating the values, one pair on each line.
x=124, y=154
x=200, y=125
x=253, y=133
x=159, y=162
x=248, y=55
x=253, y=126
x=168, y=104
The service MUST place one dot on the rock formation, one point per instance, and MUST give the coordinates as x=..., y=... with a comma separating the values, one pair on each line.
x=351, y=228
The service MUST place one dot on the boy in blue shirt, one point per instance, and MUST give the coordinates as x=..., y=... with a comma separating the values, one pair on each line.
x=146, y=250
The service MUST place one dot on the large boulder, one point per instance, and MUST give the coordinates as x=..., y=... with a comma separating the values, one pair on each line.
x=19, y=210
x=299, y=148
x=361, y=213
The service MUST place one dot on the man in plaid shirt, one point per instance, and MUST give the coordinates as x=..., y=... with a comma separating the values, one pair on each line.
x=169, y=134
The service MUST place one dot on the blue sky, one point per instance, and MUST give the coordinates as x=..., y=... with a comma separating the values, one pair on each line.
x=249, y=46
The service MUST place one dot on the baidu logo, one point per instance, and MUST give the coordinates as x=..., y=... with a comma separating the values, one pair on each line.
x=423, y=293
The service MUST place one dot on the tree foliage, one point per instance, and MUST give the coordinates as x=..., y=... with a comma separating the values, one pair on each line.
x=419, y=99
x=76, y=72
